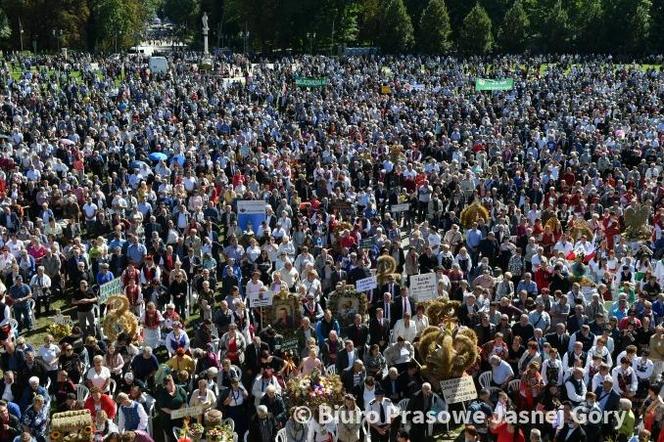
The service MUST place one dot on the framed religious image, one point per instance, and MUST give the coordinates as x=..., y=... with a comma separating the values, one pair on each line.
x=285, y=312
x=345, y=302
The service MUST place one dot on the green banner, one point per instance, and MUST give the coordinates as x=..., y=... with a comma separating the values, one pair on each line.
x=311, y=82
x=485, y=84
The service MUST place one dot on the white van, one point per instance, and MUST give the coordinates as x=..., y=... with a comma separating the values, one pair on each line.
x=158, y=65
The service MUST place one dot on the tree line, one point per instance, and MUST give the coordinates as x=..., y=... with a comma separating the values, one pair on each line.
x=395, y=26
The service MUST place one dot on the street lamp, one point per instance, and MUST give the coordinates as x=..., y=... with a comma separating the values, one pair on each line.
x=244, y=35
x=311, y=36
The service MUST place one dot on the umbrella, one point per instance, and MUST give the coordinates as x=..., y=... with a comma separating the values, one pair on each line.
x=179, y=158
x=66, y=141
x=158, y=156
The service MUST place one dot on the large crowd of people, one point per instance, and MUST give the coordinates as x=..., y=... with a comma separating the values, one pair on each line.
x=111, y=171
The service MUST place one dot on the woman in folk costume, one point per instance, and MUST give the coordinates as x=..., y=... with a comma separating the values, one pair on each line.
x=134, y=294
x=177, y=338
x=151, y=321
x=531, y=386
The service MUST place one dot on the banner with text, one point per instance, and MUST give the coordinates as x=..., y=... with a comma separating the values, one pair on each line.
x=458, y=390
x=311, y=82
x=366, y=284
x=250, y=212
x=113, y=287
x=485, y=84
x=423, y=287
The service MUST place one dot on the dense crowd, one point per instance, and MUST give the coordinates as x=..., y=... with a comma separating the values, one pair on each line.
x=560, y=276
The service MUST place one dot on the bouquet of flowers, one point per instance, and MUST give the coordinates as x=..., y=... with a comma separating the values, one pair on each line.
x=196, y=431
x=314, y=390
x=59, y=331
x=222, y=433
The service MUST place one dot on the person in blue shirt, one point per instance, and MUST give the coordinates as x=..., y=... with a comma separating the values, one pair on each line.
x=20, y=293
x=136, y=251
x=528, y=285
x=473, y=238
x=324, y=326
x=104, y=275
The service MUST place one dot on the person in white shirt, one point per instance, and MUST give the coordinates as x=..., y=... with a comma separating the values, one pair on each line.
x=405, y=328
x=262, y=383
x=501, y=372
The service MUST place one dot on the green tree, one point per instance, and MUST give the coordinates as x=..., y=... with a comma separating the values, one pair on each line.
x=556, y=32
x=657, y=16
x=475, y=36
x=513, y=35
x=185, y=14
x=588, y=29
x=397, y=28
x=118, y=23
x=435, y=30
x=5, y=29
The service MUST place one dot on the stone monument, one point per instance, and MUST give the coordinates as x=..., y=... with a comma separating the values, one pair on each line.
x=206, y=29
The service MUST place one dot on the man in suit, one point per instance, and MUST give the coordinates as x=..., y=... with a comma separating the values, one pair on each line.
x=392, y=385
x=353, y=377
x=359, y=334
x=422, y=403
x=402, y=304
x=392, y=287
x=359, y=272
x=559, y=339
x=303, y=333
x=570, y=431
x=379, y=330
x=252, y=357
x=387, y=308
x=347, y=356
x=608, y=401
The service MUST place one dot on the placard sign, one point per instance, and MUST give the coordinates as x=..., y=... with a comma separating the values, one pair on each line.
x=396, y=208
x=261, y=298
x=189, y=411
x=366, y=284
x=423, y=287
x=112, y=287
x=458, y=390
x=250, y=212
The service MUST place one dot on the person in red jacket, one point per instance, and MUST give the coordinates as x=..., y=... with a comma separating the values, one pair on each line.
x=100, y=401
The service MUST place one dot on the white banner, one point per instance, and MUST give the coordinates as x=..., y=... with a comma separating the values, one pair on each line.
x=458, y=390
x=196, y=410
x=423, y=287
x=366, y=284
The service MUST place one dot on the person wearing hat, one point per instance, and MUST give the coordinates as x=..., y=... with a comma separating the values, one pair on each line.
x=382, y=413
x=181, y=361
